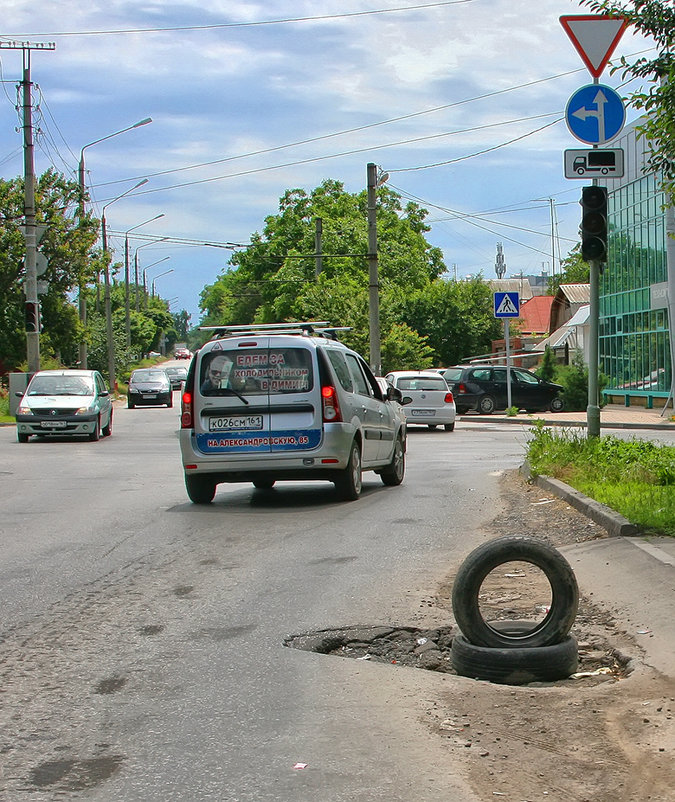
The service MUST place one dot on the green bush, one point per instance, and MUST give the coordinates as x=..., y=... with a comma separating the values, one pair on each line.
x=634, y=477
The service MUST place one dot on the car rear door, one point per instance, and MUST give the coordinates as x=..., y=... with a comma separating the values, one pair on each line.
x=259, y=397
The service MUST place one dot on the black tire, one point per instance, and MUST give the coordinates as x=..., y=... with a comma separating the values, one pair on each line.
x=107, y=430
x=96, y=434
x=393, y=474
x=466, y=588
x=432, y=426
x=557, y=404
x=449, y=427
x=515, y=666
x=170, y=402
x=130, y=405
x=348, y=485
x=486, y=405
x=22, y=438
x=200, y=490
x=263, y=484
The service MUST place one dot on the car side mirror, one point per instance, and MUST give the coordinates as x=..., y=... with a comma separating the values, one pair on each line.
x=394, y=394
x=405, y=400
x=104, y=393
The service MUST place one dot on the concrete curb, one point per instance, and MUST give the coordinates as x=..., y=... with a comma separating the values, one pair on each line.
x=615, y=524
x=533, y=420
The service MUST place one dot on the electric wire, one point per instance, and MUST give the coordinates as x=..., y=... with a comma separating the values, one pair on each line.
x=249, y=24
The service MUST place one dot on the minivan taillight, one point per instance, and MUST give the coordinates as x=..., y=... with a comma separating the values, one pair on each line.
x=186, y=411
x=330, y=406
x=448, y=398
x=461, y=388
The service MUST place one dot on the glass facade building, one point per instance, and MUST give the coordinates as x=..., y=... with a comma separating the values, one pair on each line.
x=634, y=342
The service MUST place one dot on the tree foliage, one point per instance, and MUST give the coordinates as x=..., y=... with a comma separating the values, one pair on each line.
x=574, y=270
x=654, y=18
x=424, y=320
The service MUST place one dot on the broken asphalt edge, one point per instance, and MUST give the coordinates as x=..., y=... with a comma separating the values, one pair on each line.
x=615, y=524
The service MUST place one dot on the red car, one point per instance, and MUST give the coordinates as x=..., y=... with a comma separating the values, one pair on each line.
x=182, y=353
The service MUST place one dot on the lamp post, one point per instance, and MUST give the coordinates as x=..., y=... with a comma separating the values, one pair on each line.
x=166, y=272
x=108, y=309
x=145, y=245
x=127, y=314
x=145, y=286
x=82, y=302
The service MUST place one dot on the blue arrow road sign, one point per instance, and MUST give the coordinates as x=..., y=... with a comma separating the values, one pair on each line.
x=595, y=114
x=507, y=304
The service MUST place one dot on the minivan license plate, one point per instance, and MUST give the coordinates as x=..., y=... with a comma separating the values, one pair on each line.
x=423, y=411
x=235, y=422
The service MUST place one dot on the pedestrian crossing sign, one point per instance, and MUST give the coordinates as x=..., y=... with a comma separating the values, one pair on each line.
x=507, y=304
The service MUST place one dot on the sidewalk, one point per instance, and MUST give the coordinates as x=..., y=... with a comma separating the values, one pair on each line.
x=612, y=416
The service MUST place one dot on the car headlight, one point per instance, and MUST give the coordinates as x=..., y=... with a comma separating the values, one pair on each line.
x=83, y=410
x=24, y=410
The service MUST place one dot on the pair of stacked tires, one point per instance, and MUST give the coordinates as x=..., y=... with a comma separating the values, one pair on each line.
x=515, y=652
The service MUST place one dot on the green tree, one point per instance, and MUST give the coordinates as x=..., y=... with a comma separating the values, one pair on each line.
x=547, y=369
x=656, y=19
x=68, y=245
x=574, y=270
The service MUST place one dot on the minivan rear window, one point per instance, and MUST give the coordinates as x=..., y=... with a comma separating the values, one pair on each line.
x=256, y=371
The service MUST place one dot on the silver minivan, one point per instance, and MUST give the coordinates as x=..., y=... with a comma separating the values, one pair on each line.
x=286, y=401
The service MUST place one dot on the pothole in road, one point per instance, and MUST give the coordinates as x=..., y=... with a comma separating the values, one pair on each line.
x=430, y=649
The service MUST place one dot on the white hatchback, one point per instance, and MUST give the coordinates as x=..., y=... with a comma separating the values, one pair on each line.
x=432, y=401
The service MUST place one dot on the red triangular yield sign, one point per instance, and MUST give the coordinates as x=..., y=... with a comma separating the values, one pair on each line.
x=594, y=36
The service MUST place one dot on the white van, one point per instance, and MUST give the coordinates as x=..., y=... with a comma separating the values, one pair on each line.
x=286, y=401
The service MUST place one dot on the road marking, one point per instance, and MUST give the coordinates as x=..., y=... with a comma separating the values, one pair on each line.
x=654, y=551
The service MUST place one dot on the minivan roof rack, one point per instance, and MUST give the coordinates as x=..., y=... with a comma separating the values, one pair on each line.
x=320, y=327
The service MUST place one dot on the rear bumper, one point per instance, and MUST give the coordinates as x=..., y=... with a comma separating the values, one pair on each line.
x=335, y=447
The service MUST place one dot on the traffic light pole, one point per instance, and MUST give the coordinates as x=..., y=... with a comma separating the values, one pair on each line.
x=593, y=408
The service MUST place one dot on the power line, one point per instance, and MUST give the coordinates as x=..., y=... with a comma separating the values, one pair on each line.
x=251, y=24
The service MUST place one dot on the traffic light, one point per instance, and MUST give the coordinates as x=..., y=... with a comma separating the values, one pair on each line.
x=594, y=223
x=32, y=317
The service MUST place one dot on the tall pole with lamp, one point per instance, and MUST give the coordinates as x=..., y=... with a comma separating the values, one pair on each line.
x=108, y=310
x=82, y=302
x=136, y=271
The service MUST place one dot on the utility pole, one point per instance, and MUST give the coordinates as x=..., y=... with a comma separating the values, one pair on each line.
x=373, y=277
x=30, y=229
x=318, y=245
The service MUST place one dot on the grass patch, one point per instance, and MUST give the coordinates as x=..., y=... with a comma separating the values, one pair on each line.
x=635, y=478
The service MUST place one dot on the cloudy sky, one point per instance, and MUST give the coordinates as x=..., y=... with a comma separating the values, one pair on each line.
x=462, y=103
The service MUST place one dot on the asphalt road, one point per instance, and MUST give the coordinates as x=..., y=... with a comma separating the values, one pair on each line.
x=141, y=637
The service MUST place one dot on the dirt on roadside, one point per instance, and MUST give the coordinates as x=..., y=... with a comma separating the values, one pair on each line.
x=604, y=737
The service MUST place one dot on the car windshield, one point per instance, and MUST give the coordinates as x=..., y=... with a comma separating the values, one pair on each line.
x=61, y=385
x=423, y=383
x=148, y=375
x=176, y=371
x=452, y=374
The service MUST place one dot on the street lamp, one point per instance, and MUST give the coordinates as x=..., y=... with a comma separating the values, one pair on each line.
x=127, y=315
x=82, y=302
x=145, y=245
x=145, y=286
x=166, y=272
x=108, y=310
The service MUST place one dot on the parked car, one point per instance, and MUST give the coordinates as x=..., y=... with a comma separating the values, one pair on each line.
x=432, y=403
x=263, y=404
x=182, y=353
x=483, y=388
x=149, y=386
x=65, y=402
x=177, y=376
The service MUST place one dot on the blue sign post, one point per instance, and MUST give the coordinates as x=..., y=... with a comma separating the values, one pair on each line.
x=507, y=305
x=595, y=114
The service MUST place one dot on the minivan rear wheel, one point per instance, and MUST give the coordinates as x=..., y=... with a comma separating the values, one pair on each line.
x=200, y=490
x=392, y=475
x=348, y=485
